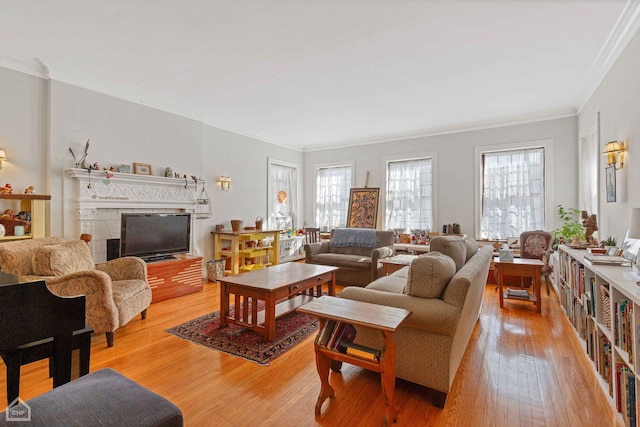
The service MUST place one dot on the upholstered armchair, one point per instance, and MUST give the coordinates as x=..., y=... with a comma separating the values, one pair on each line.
x=116, y=291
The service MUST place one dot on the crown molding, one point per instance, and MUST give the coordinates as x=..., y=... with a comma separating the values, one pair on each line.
x=503, y=122
x=33, y=67
x=625, y=28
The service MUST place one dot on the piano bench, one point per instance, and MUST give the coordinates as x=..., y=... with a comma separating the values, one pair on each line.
x=43, y=349
x=104, y=398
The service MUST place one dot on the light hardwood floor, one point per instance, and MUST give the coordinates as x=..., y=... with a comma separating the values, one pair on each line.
x=520, y=369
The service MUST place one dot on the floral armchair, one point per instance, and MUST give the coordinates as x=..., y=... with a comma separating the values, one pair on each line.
x=116, y=291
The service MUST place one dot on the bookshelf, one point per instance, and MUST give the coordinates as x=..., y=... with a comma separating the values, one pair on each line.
x=334, y=313
x=601, y=302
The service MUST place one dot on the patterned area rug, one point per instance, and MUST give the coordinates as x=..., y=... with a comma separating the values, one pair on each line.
x=291, y=329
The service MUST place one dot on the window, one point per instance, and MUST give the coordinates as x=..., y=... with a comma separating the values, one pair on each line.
x=409, y=199
x=282, y=195
x=332, y=196
x=513, y=192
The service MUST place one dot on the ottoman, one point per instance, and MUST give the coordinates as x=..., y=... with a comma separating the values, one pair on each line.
x=102, y=398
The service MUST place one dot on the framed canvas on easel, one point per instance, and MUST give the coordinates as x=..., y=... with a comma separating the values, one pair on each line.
x=363, y=207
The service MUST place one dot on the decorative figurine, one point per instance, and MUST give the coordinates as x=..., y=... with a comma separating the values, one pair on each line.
x=6, y=189
x=590, y=224
x=24, y=215
x=168, y=172
x=80, y=163
x=30, y=190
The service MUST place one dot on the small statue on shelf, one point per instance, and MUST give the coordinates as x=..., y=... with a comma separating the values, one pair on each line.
x=590, y=224
x=30, y=190
x=6, y=189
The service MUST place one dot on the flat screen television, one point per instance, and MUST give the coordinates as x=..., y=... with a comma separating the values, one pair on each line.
x=155, y=236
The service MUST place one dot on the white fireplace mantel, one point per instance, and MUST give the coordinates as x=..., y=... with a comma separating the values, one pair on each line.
x=123, y=190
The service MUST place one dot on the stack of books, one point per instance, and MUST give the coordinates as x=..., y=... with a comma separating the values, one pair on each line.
x=363, y=352
x=517, y=293
x=336, y=335
x=606, y=259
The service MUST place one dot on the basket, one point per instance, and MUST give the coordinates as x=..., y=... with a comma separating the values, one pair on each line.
x=236, y=224
x=215, y=269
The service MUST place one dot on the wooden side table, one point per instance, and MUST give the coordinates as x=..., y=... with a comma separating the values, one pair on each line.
x=380, y=317
x=520, y=267
x=395, y=263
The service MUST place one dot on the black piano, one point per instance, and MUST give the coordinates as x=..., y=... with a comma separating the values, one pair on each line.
x=36, y=324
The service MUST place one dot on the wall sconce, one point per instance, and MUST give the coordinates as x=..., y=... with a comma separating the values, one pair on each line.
x=3, y=157
x=225, y=183
x=614, y=151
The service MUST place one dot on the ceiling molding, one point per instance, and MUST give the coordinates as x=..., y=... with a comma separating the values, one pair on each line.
x=33, y=67
x=625, y=28
x=513, y=121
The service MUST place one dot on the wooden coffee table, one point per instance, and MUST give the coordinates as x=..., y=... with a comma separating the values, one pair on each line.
x=293, y=280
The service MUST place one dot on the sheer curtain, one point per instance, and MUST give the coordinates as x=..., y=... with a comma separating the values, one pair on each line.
x=282, y=196
x=332, y=196
x=409, y=203
x=512, y=192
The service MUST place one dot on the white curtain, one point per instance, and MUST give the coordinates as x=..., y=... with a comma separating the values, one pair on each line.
x=512, y=193
x=589, y=155
x=409, y=203
x=282, y=196
x=332, y=196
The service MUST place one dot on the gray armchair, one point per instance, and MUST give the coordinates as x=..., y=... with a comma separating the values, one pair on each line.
x=359, y=264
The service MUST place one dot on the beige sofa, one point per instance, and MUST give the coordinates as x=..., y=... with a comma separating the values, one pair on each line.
x=358, y=265
x=116, y=291
x=444, y=290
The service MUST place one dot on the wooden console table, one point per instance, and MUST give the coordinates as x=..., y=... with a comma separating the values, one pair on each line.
x=239, y=251
x=175, y=277
x=380, y=317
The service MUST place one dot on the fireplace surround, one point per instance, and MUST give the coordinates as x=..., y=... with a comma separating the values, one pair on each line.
x=99, y=198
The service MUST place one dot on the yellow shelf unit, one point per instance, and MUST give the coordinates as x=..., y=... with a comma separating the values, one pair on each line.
x=35, y=204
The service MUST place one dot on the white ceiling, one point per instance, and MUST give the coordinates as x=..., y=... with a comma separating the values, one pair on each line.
x=312, y=74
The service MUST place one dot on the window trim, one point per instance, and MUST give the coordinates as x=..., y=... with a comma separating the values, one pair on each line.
x=547, y=144
x=272, y=161
x=318, y=166
x=434, y=182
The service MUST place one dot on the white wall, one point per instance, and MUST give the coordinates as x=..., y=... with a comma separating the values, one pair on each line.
x=41, y=119
x=23, y=131
x=618, y=101
x=455, y=195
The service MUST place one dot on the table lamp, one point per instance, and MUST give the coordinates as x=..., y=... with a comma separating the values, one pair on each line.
x=634, y=229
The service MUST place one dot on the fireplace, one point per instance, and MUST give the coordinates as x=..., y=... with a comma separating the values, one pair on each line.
x=99, y=200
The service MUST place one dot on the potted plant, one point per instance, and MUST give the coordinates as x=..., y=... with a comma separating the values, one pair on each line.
x=572, y=231
x=611, y=245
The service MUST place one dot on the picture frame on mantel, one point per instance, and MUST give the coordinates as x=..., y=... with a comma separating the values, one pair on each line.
x=142, y=169
x=610, y=183
x=363, y=207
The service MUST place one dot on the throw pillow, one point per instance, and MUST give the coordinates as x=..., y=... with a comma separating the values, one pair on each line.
x=472, y=247
x=63, y=259
x=452, y=246
x=429, y=275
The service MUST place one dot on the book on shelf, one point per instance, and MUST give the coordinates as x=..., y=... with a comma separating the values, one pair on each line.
x=605, y=259
x=346, y=335
x=325, y=334
x=362, y=351
x=517, y=293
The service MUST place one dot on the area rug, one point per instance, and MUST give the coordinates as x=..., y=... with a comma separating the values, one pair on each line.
x=291, y=329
